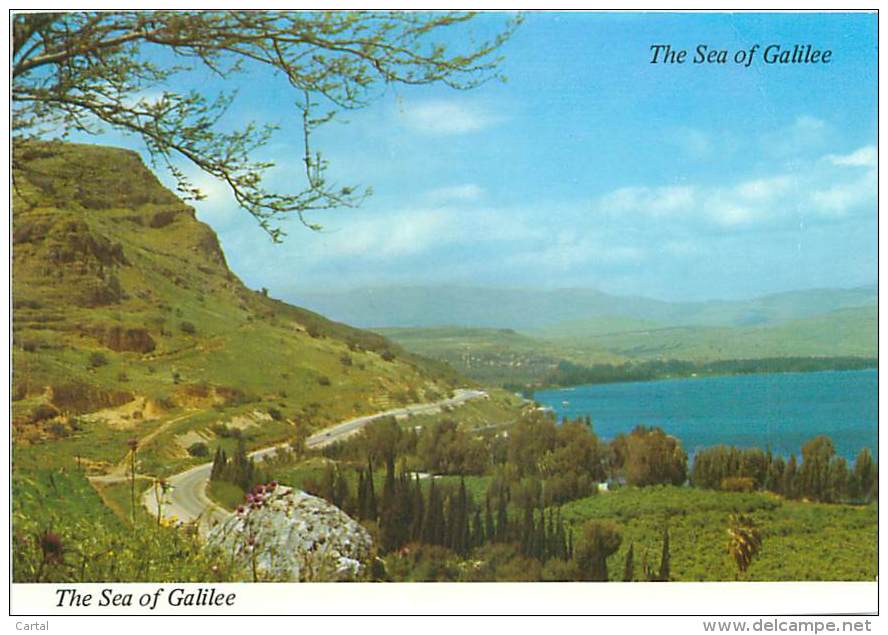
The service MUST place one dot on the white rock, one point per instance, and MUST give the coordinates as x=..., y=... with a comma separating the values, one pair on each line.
x=287, y=535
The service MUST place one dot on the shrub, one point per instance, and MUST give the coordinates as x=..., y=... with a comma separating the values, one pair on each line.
x=43, y=412
x=19, y=390
x=167, y=403
x=198, y=449
x=58, y=430
x=738, y=484
x=275, y=414
x=387, y=355
x=323, y=380
x=225, y=432
x=97, y=359
x=187, y=327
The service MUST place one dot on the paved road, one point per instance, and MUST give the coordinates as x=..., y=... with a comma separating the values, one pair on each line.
x=188, y=500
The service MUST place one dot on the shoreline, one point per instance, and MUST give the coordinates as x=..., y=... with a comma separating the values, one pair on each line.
x=702, y=371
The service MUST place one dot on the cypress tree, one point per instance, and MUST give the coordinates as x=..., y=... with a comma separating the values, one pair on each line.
x=488, y=521
x=340, y=490
x=388, y=516
x=371, y=493
x=527, y=532
x=540, y=543
x=864, y=477
x=664, y=558
x=418, y=511
x=629, y=568
x=406, y=508
x=460, y=538
x=218, y=464
x=502, y=520
x=561, y=538
x=440, y=527
x=790, y=488
x=570, y=543
x=477, y=530
x=431, y=523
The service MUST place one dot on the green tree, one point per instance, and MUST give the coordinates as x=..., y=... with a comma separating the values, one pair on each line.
x=599, y=541
x=629, y=566
x=78, y=71
x=814, y=474
x=652, y=457
x=837, y=489
x=789, y=487
x=665, y=558
x=863, y=479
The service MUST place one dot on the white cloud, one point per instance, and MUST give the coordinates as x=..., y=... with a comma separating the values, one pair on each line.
x=765, y=189
x=821, y=191
x=804, y=135
x=838, y=200
x=569, y=251
x=866, y=156
x=446, y=117
x=465, y=192
x=654, y=201
x=808, y=125
x=691, y=141
x=381, y=238
x=415, y=231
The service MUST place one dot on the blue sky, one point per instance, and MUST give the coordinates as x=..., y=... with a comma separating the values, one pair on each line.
x=592, y=167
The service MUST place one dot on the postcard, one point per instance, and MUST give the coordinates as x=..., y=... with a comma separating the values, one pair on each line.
x=401, y=301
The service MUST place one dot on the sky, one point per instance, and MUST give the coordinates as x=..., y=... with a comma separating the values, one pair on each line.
x=590, y=167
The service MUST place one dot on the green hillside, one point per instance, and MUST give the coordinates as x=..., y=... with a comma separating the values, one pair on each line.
x=498, y=356
x=506, y=357
x=123, y=304
x=846, y=332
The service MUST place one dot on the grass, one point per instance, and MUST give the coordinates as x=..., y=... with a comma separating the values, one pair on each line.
x=117, y=497
x=228, y=495
x=802, y=540
x=246, y=352
x=95, y=544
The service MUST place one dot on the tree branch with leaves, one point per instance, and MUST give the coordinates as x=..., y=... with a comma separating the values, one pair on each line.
x=81, y=71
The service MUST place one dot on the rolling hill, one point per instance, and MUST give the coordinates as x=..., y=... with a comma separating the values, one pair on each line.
x=123, y=303
x=845, y=332
x=561, y=312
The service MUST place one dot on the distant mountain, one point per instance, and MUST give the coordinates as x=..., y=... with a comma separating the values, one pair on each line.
x=566, y=310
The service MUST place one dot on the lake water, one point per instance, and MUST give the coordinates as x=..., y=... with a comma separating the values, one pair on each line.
x=781, y=410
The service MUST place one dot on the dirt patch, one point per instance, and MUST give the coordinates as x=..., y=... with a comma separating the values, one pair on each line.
x=135, y=339
x=79, y=397
x=242, y=422
x=188, y=439
x=127, y=416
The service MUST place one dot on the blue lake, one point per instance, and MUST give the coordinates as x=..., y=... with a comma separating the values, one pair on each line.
x=781, y=410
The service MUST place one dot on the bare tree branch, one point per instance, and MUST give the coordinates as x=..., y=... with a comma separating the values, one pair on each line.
x=72, y=71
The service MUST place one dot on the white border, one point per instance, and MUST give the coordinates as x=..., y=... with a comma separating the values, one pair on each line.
x=474, y=598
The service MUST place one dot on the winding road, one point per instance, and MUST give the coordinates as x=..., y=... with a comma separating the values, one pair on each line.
x=188, y=500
